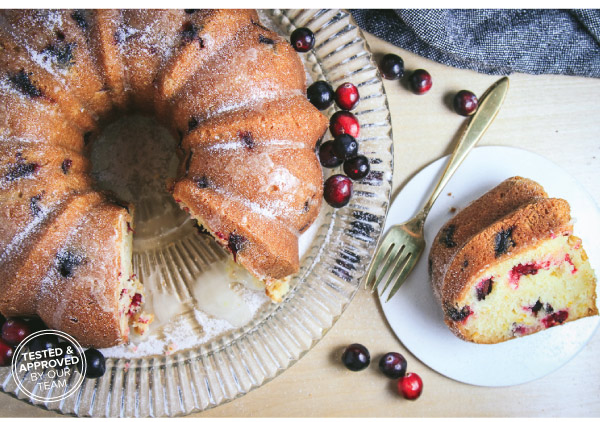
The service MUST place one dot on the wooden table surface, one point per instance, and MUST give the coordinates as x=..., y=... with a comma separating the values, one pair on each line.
x=557, y=117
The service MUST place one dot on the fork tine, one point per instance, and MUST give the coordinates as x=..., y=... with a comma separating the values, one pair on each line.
x=382, y=252
x=391, y=257
x=400, y=261
x=401, y=278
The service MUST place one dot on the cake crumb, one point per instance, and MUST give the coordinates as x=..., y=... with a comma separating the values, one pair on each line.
x=171, y=348
x=452, y=210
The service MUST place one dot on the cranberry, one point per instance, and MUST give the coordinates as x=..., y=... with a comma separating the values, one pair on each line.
x=43, y=342
x=484, y=288
x=447, y=236
x=503, y=241
x=20, y=170
x=356, y=357
x=338, y=190
x=136, y=303
x=520, y=270
x=14, y=331
x=346, y=96
x=456, y=314
x=537, y=307
x=23, y=83
x=6, y=353
x=420, y=81
x=66, y=165
x=96, y=364
x=357, y=167
x=556, y=318
x=235, y=244
x=344, y=122
x=391, y=66
x=345, y=146
x=302, y=40
x=320, y=94
x=327, y=155
x=526, y=269
x=393, y=365
x=465, y=103
x=410, y=386
x=67, y=262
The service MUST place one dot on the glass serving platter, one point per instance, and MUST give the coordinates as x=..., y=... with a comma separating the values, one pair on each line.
x=221, y=364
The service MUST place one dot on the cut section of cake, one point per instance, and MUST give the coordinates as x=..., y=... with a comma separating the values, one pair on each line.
x=508, y=265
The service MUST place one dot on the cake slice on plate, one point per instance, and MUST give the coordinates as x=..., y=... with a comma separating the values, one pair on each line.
x=508, y=265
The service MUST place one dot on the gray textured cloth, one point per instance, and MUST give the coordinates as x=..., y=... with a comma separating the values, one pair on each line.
x=499, y=41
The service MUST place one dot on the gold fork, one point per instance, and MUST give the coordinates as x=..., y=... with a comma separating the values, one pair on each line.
x=404, y=243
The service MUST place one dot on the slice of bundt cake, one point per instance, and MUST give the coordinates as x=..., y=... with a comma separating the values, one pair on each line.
x=508, y=265
x=89, y=289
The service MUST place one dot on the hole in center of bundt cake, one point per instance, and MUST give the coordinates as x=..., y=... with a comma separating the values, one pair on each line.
x=133, y=157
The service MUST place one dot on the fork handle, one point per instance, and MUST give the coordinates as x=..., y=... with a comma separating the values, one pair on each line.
x=487, y=110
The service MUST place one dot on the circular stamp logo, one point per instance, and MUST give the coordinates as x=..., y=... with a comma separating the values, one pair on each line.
x=52, y=373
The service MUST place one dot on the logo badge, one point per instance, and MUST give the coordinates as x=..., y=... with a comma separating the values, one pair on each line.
x=51, y=374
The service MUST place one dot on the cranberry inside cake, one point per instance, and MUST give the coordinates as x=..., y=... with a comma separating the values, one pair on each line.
x=508, y=265
x=550, y=284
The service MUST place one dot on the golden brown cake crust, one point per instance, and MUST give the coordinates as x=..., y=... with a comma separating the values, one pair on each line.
x=481, y=213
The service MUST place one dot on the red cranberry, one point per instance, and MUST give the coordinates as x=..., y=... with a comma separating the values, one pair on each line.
x=6, y=353
x=346, y=96
x=345, y=146
x=410, y=386
x=456, y=314
x=338, y=190
x=344, y=122
x=302, y=40
x=556, y=318
x=393, y=365
x=357, y=167
x=420, y=81
x=391, y=66
x=327, y=155
x=320, y=94
x=356, y=357
x=14, y=331
x=465, y=103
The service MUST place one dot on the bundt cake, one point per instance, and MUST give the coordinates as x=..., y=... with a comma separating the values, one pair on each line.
x=231, y=92
x=508, y=265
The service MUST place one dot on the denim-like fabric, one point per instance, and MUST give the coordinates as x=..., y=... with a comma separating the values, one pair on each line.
x=497, y=41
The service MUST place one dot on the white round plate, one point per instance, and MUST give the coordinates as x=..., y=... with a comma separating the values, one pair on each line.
x=415, y=315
